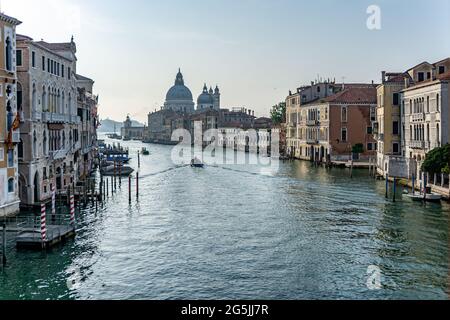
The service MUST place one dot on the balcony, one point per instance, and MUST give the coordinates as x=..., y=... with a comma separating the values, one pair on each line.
x=75, y=119
x=36, y=116
x=54, y=117
x=312, y=123
x=312, y=141
x=417, y=144
x=58, y=154
x=417, y=117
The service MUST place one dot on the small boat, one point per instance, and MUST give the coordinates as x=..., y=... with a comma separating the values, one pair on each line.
x=122, y=171
x=196, y=163
x=429, y=197
x=145, y=152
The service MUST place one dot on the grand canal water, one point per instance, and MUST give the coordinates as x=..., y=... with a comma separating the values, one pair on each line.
x=233, y=232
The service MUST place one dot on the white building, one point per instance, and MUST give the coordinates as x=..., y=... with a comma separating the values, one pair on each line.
x=425, y=112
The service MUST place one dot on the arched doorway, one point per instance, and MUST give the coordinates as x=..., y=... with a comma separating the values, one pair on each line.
x=37, y=188
x=22, y=188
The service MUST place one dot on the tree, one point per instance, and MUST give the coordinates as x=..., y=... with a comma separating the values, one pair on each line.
x=278, y=113
x=437, y=160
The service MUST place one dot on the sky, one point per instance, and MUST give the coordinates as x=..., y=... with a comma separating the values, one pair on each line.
x=255, y=50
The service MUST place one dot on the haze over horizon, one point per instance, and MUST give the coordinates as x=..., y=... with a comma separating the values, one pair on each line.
x=256, y=51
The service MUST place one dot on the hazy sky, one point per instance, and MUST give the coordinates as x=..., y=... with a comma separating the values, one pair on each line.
x=255, y=50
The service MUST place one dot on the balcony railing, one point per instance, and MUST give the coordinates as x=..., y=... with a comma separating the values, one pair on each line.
x=311, y=123
x=417, y=144
x=418, y=117
x=58, y=154
x=312, y=141
x=37, y=115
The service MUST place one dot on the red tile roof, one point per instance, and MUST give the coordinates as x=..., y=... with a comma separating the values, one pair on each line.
x=355, y=95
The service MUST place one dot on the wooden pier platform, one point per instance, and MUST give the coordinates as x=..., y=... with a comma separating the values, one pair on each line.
x=31, y=238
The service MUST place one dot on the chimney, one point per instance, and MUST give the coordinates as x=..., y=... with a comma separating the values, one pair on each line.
x=406, y=83
x=253, y=113
x=383, y=76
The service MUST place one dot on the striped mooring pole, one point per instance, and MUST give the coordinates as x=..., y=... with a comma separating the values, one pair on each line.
x=72, y=210
x=53, y=203
x=43, y=224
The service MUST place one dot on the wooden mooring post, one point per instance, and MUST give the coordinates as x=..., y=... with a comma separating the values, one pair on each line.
x=387, y=186
x=4, y=244
x=139, y=159
x=129, y=188
x=395, y=189
x=137, y=185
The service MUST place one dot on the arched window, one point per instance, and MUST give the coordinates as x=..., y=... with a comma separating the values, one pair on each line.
x=44, y=100
x=9, y=54
x=438, y=134
x=35, y=150
x=44, y=144
x=10, y=185
x=344, y=114
x=33, y=99
x=20, y=149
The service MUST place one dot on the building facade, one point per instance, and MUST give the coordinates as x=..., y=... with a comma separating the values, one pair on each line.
x=10, y=102
x=87, y=104
x=426, y=116
x=49, y=150
x=388, y=126
x=130, y=132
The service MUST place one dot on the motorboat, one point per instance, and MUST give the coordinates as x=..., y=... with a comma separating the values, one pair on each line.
x=145, y=152
x=117, y=171
x=196, y=163
x=429, y=197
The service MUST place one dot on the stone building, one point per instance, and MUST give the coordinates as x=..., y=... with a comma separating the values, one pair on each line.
x=425, y=112
x=50, y=132
x=387, y=128
x=87, y=104
x=328, y=128
x=10, y=102
x=130, y=132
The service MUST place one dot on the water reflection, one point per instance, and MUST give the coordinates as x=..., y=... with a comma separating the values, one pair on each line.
x=235, y=232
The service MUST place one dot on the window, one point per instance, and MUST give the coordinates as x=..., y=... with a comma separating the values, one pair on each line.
x=10, y=158
x=369, y=130
x=48, y=65
x=395, y=147
x=33, y=59
x=395, y=128
x=9, y=53
x=369, y=146
x=43, y=63
x=428, y=104
x=441, y=69
x=344, y=114
x=437, y=102
x=396, y=100
x=10, y=185
x=421, y=76
x=344, y=134
x=68, y=73
x=62, y=70
x=19, y=58
x=428, y=75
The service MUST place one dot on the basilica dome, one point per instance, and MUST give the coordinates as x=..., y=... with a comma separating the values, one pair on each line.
x=179, y=92
x=205, y=98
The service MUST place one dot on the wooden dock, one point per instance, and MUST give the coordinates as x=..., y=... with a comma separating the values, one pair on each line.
x=31, y=238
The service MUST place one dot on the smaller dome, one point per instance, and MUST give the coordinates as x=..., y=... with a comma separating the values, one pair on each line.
x=205, y=97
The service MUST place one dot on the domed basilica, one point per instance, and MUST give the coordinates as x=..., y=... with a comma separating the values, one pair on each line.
x=179, y=98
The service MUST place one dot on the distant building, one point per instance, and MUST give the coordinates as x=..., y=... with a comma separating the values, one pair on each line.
x=10, y=116
x=130, y=132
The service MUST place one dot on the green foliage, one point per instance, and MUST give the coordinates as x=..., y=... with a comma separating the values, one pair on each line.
x=278, y=113
x=358, y=148
x=437, y=160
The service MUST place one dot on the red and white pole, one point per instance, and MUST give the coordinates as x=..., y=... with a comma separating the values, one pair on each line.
x=72, y=210
x=43, y=223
